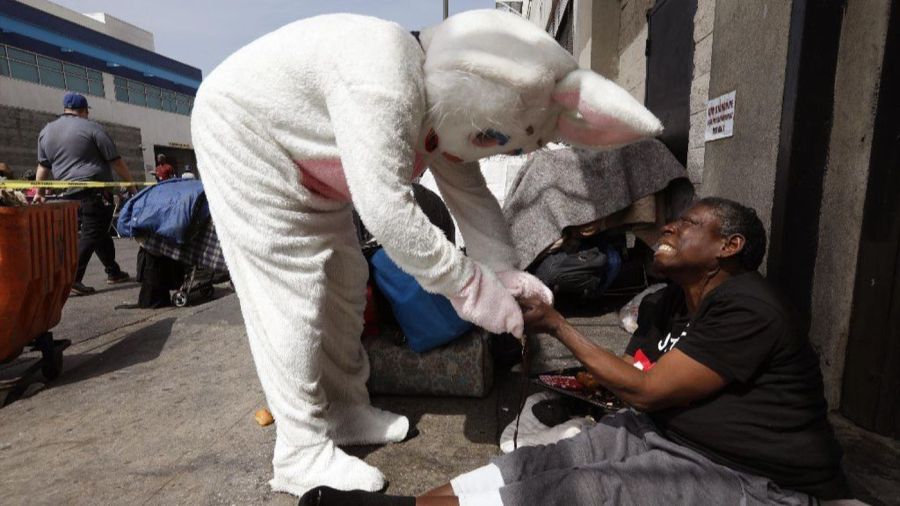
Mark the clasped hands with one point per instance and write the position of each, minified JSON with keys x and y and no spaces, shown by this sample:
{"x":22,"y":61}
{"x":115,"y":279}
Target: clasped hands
{"x":507,"y":302}
{"x":539,"y":316}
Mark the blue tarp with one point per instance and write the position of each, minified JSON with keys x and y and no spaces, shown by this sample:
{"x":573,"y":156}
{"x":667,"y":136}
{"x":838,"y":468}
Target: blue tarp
{"x":166,"y":209}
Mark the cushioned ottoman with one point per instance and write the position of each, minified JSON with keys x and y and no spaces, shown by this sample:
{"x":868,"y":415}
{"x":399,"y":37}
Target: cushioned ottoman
{"x":463,"y":367}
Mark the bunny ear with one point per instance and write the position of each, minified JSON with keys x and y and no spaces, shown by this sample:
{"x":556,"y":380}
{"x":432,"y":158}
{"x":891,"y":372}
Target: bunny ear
{"x":599,"y":113}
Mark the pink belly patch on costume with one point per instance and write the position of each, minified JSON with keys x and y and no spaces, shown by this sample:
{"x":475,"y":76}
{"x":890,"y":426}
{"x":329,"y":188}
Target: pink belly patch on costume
{"x":326,"y":177}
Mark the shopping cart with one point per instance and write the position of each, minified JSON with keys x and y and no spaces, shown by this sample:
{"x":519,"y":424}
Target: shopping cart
{"x":202,"y":257}
{"x":172,"y":220}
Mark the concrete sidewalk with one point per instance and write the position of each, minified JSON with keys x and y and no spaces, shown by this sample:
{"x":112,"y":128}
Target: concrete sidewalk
{"x":156,"y":407}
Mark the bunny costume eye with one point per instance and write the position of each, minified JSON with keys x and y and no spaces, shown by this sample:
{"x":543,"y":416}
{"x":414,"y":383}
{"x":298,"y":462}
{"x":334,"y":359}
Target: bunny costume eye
{"x":489,"y":138}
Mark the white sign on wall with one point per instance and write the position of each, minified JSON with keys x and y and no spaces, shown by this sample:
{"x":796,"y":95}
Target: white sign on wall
{"x":720,"y":117}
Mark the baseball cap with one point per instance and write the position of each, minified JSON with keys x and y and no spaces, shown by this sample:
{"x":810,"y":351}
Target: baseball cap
{"x":75,"y":101}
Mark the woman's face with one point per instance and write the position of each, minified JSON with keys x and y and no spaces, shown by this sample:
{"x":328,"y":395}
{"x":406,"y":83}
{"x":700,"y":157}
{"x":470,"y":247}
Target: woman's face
{"x":693,"y":242}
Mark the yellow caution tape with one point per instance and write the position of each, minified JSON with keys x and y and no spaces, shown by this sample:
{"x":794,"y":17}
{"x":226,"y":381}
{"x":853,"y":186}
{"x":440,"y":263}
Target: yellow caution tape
{"x":24,"y":185}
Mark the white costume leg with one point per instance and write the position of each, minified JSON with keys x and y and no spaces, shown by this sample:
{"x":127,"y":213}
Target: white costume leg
{"x":344,"y":363}
{"x":277,"y":239}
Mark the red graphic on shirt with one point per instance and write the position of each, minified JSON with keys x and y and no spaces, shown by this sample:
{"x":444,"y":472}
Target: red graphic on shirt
{"x":642,"y":361}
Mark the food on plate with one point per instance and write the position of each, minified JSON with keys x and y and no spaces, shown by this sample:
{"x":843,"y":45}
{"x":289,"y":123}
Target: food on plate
{"x":588,"y":380}
{"x":560,"y":381}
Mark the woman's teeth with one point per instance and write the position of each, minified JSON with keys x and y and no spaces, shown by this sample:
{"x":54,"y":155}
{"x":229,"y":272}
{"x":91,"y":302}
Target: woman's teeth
{"x":665,"y":248}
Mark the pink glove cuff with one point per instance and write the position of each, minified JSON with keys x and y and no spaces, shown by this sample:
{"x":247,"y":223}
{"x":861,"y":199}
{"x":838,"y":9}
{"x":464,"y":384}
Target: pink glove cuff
{"x":485,"y":302}
{"x":522,"y":284}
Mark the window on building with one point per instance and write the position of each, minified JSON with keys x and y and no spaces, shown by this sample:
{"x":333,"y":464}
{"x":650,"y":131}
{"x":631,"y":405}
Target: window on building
{"x":77,"y":83}
{"x":154,"y":97}
{"x":22,"y":56}
{"x":52,"y":78}
{"x":24,"y":71}
{"x":75,"y":70}
{"x":22,"y":65}
{"x":47,"y":63}
{"x":154,"y":100}
{"x":183,"y":105}
{"x":4,"y":63}
{"x":136,"y":93}
{"x":168,"y":101}
{"x":48,"y":71}
{"x":121,"y":89}
{"x":95,"y":83}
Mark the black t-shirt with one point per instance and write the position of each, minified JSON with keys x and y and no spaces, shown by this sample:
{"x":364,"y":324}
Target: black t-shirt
{"x":770,"y":419}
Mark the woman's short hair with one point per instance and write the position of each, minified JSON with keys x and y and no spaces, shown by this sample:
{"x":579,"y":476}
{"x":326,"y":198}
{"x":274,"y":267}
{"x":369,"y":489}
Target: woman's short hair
{"x":735,"y":218}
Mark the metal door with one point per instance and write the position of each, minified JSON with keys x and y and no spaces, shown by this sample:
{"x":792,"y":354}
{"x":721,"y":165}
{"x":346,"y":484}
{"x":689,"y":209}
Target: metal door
{"x":670,"y":66}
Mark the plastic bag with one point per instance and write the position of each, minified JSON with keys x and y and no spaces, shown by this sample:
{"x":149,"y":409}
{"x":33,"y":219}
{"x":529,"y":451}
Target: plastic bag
{"x":628,"y":315}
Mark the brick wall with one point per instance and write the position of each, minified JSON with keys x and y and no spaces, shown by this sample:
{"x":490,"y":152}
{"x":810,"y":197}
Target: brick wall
{"x":19,"y":129}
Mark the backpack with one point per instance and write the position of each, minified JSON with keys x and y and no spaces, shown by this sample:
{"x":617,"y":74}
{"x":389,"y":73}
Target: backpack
{"x":582,"y":276}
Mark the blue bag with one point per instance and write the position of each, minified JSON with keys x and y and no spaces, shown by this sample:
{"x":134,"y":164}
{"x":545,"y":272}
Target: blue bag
{"x":427,"y":320}
{"x":167,"y":209}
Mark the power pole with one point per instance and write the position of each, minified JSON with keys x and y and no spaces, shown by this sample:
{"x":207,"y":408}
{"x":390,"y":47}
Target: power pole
{"x":446,"y":8}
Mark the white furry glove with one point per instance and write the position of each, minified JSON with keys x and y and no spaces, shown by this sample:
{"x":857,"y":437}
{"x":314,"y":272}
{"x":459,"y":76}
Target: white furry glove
{"x":522,"y":284}
{"x":486,"y":302}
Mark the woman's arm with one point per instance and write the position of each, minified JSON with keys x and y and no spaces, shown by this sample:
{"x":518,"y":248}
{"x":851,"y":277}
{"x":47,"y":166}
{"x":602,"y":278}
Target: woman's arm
{"x":675,"y":379}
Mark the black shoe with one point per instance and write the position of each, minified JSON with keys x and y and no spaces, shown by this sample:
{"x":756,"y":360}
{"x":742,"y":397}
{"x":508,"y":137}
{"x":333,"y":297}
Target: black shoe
{"x":327,"y":496}
{"x":121,"y":277}
{"x":312,"y":497}
{"x":79,"y":288}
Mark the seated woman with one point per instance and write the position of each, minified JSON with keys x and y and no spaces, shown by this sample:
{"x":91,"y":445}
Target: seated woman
{"x":731,"y":411}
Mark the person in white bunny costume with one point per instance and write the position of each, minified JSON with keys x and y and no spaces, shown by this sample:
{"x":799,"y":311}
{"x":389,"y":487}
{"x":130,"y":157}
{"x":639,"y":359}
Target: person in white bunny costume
{"x":343,"y":111}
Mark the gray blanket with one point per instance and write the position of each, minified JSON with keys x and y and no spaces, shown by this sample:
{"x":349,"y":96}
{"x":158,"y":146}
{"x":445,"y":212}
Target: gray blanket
{"x":568,"y":187}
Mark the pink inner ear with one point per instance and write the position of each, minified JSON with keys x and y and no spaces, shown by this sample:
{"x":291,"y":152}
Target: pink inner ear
{"x":568,"y":99}
{"x":604,"y":131}
{"x":594,"y":128}
{"x":572,"y":100}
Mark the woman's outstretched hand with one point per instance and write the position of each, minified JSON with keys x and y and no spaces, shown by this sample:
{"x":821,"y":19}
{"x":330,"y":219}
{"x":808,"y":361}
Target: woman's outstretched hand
{"x":539,"y":316}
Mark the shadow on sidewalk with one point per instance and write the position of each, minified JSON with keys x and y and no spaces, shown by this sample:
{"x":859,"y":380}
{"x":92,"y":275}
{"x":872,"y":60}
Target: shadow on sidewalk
{"x":143,"y":345}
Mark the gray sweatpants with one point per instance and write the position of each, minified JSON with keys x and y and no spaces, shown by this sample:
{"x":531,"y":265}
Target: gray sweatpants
{"x":622,"y":461}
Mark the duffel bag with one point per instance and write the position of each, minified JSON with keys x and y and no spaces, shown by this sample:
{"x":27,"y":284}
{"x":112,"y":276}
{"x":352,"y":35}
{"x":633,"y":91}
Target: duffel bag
{"x":427,"y":319}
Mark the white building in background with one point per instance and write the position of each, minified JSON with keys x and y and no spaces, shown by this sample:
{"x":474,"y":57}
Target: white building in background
{"x":514,"y":6}
{"x":143,"y":98}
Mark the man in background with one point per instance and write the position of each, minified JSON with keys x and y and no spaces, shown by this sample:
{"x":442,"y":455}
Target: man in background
{"x":74,"y":148}
{"x":6,"y":172}
{"x":164,"y":169}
